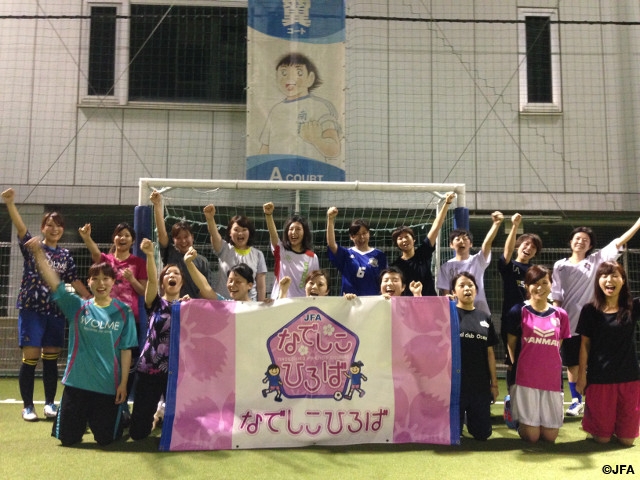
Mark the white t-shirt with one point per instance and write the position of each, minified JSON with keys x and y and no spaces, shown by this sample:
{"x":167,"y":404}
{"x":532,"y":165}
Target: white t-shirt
{"x":475,"y":265}
{"x":229,"y":257}
{"x":573,"y":283}
{"x":294,"y":265}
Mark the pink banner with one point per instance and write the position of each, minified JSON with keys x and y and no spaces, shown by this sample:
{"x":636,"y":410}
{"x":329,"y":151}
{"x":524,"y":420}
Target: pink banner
{"x":312,"y":371}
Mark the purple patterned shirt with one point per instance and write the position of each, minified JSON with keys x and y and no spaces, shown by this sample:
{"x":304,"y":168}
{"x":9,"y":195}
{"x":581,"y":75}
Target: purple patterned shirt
{"x":34,"y":293}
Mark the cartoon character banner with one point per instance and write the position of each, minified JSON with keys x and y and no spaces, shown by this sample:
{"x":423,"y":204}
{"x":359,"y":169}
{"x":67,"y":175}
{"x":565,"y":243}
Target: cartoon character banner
{"x":312,"y":371}
{"x":296,"y":82}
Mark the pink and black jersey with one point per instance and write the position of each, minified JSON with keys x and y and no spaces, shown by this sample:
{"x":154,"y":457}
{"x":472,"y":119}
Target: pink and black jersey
{"x":539,"y":364}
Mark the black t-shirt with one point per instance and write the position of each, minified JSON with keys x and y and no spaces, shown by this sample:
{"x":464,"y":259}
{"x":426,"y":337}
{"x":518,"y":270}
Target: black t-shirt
{"x":514,"y":292}
{"x":512,"y":274}
{"x":418,"y":269}
{"x":170,"y":254}
{"x":612,"y":357}
{"x":477,"y":334}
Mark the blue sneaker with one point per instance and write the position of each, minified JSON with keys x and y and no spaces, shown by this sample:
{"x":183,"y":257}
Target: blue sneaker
{"x":29,"y":414}
{"x":508,"y":418}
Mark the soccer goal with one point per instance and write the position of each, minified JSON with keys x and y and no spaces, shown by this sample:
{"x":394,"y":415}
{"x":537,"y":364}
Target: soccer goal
{"x":384,"y":205}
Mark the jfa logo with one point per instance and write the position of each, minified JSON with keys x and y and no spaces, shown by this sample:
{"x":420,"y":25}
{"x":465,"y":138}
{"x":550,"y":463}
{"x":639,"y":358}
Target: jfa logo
{"x":616,"y":469}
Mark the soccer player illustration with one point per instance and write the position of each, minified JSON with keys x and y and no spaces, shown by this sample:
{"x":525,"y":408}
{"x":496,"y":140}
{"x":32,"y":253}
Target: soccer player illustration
{"x":272,"y":377}
{"x":357,"y":377}
{"x":301,"y":115}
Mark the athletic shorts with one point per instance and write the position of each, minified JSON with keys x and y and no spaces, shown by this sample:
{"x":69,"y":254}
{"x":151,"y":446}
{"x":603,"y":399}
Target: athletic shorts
{"x":570,"y":351}
{"x":612,"y":408}
{"x":39,"y":330}
{"x":537,"y":408}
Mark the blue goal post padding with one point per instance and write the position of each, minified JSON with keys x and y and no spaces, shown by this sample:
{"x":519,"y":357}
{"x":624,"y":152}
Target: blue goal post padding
{"x":461,"y":218}
{"x":143,"y":227}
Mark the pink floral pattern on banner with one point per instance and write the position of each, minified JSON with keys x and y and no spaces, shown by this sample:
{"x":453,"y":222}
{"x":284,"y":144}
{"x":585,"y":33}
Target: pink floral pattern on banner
{"x":421,"y":340}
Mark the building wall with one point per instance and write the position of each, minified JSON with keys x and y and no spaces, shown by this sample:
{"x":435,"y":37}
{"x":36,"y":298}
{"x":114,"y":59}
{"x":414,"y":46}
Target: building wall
{"x":426,"y":102}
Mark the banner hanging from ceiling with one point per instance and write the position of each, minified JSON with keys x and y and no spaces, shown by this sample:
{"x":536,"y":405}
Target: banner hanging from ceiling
{"x":296,"y":84}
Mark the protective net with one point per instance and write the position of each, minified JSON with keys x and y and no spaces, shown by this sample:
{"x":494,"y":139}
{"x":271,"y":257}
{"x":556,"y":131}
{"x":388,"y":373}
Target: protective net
{"x":384,"y":206}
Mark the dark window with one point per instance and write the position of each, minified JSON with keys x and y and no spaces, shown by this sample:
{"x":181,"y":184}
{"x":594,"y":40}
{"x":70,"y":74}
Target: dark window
{"x":539,"y":74}
{"x":102,"y":51}
{"x":188,"y":54}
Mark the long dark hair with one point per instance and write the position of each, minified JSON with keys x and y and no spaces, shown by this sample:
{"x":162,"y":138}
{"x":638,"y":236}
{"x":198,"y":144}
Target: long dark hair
{"x":306,"y":239}
{"x":625,"y":301}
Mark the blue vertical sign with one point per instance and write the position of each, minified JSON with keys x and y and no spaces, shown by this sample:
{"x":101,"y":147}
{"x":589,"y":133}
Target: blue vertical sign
{"x":295,"y":101}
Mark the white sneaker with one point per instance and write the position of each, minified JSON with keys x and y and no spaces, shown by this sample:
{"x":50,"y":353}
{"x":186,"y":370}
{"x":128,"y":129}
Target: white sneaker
{"x":158,"y":417}
{"x":29,"y":414}
{"x":576,"y":408}
{"x":50,"y":410}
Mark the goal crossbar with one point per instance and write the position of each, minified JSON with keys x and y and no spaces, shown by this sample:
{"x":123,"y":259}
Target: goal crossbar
{"x":146,"y":183}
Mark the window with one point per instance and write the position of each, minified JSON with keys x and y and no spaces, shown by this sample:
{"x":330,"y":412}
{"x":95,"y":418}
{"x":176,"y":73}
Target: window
{"x":539,"y":61}
{"x":172,"y":54}
{"x":102,"y":51}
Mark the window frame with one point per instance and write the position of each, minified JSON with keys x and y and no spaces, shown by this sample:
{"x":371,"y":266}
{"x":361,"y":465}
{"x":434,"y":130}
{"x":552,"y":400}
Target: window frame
{"x":120,"y":95}
{"x":555,"y":106}
{"x":120,"y":92}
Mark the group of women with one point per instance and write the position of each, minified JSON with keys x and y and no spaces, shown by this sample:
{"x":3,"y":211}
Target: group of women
{"x":589,"y":328}
{"x":102,"y":323}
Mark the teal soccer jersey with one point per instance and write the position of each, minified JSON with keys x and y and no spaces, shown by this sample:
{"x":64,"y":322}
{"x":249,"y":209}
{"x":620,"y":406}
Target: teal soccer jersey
{"x":96,"y":337}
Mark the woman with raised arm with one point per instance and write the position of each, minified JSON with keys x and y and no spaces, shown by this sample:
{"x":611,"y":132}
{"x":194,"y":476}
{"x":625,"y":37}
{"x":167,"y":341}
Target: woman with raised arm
{"x":40,"y":321}
{"x":513,"y":271}
{"x":572,"y":289}
{"x":152,"y":369}
{"x":293,"y":253}
{"x":131,"y":270}
{"x":317,"y":285}
{"x":359,"y":265}
{"x":415,"y":263}
{"x":182,"y":237}
{"x":102,"y":333}
{"x":235,"y":248}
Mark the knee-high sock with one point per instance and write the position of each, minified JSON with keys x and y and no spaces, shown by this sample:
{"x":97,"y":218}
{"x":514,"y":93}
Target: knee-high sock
{"x":50,"y":376}
{"x":574,"y":392}
{"x":26,"y":377}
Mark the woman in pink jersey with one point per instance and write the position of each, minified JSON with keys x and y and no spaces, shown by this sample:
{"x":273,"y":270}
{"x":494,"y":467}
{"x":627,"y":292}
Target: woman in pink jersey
{"x":536,"y":396}
{"x":131,"y":270}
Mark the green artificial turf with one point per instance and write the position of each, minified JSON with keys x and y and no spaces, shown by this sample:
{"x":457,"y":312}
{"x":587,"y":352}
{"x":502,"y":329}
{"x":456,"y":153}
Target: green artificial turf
{"x":28,"y":451}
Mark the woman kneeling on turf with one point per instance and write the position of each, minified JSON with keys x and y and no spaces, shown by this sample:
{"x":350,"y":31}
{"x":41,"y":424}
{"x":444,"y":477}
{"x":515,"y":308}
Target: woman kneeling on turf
{"x":102,"y":332}
{"x":536,"y":396}
{"x":478,"y":383}
{"x":608,"y":360}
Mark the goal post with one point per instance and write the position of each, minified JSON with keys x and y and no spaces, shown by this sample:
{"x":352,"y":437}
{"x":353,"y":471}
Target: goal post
{"x":384,"y":205}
